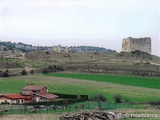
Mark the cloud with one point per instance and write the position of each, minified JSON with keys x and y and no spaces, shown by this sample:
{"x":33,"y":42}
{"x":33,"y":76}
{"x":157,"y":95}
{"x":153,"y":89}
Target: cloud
{"x":29,"y":26}
{"x":2,"y":5}
{"x":2,"y":28}
{"x":57,"y":3}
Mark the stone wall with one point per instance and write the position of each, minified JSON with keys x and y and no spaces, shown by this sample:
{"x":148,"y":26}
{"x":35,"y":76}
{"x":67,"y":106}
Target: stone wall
{"x":55,"y":49}
{"x":131,"y":44}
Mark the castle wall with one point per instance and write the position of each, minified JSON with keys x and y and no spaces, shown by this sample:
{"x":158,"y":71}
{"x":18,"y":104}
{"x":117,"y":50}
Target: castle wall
{"x":132,"y":44}
{"x":59,"y":48}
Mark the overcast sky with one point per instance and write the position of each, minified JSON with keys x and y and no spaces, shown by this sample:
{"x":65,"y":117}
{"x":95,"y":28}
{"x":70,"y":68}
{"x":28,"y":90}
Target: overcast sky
{"x":101,"y":23}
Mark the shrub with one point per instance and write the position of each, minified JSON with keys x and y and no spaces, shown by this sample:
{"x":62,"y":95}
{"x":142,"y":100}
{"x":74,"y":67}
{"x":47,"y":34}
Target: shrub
{"x":5,"y":103}
{"x":5,"y":74}
{"x":60,"y":68}
{"x":52,"y":68}
{"x":127,"y":100}
{"x":118,"y":98}
{"x":47,"y":52}
{"x":133,"y":52}
{"x":98,"y":97}
{"x":144,"y":74}
{"x":5,"y":49}
{"x":24,"y":72}
{"x":31,"y":71}
{"x":154,"y":103}
{"x":45,"y":70}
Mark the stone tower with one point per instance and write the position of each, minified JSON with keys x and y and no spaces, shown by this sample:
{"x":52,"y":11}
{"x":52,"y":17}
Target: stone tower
{"x":131,"y":44}
{"x":55,"y":49}
{"x":59,"y":48}
{"x":66,"y":49}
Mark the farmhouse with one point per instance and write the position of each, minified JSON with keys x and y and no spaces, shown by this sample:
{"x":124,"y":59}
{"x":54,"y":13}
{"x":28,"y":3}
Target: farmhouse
{"x":30,"y":93}
{"x":38,"y":93}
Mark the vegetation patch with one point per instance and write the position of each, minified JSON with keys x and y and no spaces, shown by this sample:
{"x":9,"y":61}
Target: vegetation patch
{"x":80,"y":87}
{"x":125,"y":80}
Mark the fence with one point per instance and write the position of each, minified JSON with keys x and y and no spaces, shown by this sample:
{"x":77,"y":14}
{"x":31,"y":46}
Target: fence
{"x":66,"y":99}
{"x":34,"y":109}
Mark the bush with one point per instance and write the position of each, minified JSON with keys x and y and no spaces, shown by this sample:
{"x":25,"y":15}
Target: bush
{"x":45,"y":70}
{"x":5,"y":49}
{"x":31,"y":71}
{"x":5,"y":74}
{"x":127,"y":100}
{"x":118,"y":98}
{"x":5,"y":103}
{"x":47,"y":52}
{"x":154,"y":103}
{"x":98,"y":97}
{"x":52,"y":68}
{"x":60,"y":68}
{"x":24,"y":72}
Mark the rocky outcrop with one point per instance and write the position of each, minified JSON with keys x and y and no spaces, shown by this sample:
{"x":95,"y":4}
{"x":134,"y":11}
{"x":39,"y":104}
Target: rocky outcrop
{"x":93,"y":115}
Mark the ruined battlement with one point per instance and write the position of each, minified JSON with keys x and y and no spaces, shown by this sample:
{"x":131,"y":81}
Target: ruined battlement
{"x":131,"y":44}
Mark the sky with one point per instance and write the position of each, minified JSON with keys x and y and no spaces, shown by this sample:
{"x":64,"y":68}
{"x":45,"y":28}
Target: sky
{"x":102,"y":23}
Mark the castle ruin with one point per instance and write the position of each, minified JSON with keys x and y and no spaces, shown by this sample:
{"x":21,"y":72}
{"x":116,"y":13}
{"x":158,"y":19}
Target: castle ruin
{"x":55,"y":49}
{"x":131,"y":44}
{"x":59,"y":49}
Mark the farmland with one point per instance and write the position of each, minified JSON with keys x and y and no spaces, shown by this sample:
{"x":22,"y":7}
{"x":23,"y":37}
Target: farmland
{"x":79,"y":86}
{"x":133,"y":81}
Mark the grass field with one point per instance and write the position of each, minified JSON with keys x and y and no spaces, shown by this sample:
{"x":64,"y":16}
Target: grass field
{"x":125,"y":80}
{"x":79,"y":86}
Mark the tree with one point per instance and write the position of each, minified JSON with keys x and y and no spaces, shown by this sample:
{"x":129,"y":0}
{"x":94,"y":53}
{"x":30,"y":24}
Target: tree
{"x":5,"y":74}
{"x":24,"y":72}
{"x":31,"y":71}
{"x":5,"y":49}
{"x":47,"y":52}
{"x":118,"y":98}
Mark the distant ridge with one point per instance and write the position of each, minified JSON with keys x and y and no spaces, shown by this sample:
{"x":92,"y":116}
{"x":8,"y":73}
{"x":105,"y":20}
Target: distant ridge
{"x":28,"y":48}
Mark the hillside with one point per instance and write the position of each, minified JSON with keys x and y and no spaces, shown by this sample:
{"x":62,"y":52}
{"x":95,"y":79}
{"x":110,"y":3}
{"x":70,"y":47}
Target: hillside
{"x":135,"y":63}
{"x":100,"y":62}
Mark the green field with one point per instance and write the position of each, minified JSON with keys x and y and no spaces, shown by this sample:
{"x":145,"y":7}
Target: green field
{"x":125,"y":80}
{"x":87,"y":87}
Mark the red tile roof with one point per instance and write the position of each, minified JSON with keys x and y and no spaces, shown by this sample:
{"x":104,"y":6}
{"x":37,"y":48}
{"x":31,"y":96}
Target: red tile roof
{"x":33,"y":87}
{"x":14,"y":96}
